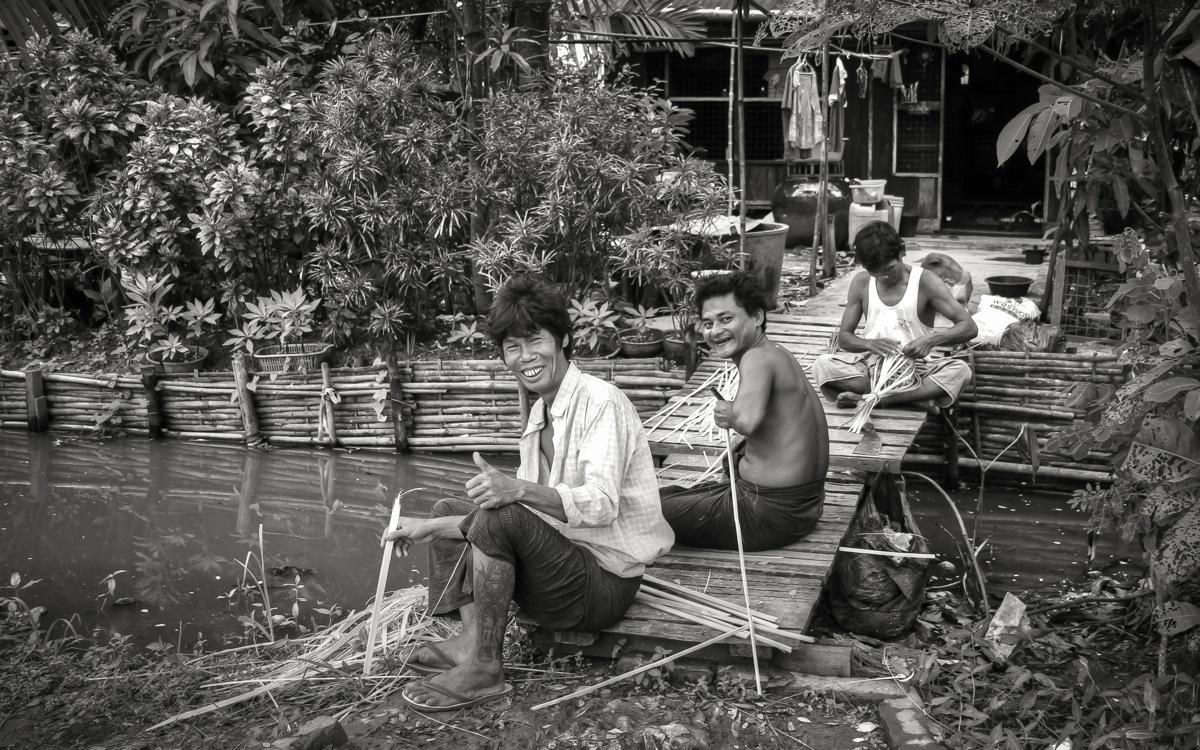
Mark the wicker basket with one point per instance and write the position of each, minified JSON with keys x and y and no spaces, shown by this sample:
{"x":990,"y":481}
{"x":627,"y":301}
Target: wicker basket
{"x":292,"y":357}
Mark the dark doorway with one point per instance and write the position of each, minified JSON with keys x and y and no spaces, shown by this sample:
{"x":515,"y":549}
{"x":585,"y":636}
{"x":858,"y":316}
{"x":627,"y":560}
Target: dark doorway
{"x":982,"y":95}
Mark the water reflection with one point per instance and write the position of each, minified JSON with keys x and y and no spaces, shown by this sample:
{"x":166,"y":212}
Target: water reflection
{"x":153,"y":537}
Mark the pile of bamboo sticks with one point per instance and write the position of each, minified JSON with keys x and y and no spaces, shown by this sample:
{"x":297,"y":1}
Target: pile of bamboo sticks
{"x":1011,"y":389}
{"x":709,"y":611}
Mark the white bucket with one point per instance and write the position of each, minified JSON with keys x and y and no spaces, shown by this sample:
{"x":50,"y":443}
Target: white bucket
{"x":860,"y":216}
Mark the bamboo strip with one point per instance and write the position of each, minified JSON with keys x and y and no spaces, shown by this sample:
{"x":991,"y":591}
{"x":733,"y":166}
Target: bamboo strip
{"x":708,"y":622}
{"x":644,"y":668}
{"x":1008,"y":409}
{"x":722,"y":618}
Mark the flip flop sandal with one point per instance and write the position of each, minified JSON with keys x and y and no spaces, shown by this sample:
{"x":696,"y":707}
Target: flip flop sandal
{"x":460,"y":701}
{"x":429,"y":669}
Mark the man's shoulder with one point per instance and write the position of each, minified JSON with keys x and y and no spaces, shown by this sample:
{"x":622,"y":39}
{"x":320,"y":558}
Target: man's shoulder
{"x":773,"y":358}
{"x":595,"y":388}
{"x":859,"y":281}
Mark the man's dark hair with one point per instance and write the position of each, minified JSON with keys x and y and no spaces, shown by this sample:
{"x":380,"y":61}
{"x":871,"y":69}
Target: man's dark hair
{"x":525,"y":304}
{"x":746,"y":289}
{"x":877,"y":244}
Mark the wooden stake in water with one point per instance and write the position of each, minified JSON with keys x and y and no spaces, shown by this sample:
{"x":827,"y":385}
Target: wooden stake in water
{"x":380,"y":586}
{"x":737,"y":527}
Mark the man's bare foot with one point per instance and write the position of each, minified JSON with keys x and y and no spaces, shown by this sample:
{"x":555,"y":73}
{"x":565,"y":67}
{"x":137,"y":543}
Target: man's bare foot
{"x":464,"y":683}
{"x":848,"y":400}
{"x":439,"y":656}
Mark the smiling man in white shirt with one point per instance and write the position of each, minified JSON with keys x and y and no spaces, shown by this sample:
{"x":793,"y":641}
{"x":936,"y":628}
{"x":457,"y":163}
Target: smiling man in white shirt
{"x":567,"y":538}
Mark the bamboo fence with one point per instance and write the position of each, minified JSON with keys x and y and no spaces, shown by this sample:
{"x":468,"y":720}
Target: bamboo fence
{"x":458,"y":405}
{"x":1012,"y":389}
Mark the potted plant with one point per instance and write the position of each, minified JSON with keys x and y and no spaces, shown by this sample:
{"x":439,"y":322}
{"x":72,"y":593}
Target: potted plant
{"x":285,"y":317}
{"x":640,"y":340}
{"x":170,"y":334}
{"x":593,"y":328}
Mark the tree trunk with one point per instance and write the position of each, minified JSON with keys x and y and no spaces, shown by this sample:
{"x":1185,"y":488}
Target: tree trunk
{"x":1162,"y":155}
{"x":469,"y":15}
{"x":532,"y":19}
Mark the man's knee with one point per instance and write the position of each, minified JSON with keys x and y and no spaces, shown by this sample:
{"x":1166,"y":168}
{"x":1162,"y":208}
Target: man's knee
{"x":451,"y":506}
{"x":501,"y":524}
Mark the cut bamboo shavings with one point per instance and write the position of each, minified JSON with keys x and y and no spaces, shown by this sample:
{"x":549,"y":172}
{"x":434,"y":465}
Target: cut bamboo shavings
{"x":894,"y":373}
{"x":332,"y":652}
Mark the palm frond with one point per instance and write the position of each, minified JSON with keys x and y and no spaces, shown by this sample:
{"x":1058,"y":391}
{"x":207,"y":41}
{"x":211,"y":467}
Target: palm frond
{"x":636,"y":22}
{"x":22,"y":20}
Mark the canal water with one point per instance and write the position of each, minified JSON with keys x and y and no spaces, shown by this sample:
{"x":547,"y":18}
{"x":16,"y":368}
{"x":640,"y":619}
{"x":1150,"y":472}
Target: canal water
{"x":149,"y":538}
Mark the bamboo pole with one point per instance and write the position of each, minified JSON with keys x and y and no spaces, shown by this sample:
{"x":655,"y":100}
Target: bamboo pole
{"x":705,"y":619}
{"x":641,"y":669}
{"x":380,"y":586}
{"x":737,"y":527}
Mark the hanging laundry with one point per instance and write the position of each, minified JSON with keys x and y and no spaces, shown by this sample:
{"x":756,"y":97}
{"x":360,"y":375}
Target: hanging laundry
{"x":837,"y":106}
{"x":838,"y":85}
{"x":803,"y":124}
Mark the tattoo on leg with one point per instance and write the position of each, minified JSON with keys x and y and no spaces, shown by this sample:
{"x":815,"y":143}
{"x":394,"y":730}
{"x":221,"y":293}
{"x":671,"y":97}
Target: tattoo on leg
{"x":494,"y":581}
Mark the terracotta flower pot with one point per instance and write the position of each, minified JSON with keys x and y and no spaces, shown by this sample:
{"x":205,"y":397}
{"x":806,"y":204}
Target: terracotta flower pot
{"x":193,"y":362}
{"x":674,"y":345}
{"x":635,"y":343}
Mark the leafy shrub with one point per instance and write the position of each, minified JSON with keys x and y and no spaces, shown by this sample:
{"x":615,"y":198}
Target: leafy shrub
{"x":566,"y":173}
{"x":142,"y":208}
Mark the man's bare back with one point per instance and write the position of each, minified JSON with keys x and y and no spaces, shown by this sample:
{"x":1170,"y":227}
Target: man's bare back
{"x":791,"y":444}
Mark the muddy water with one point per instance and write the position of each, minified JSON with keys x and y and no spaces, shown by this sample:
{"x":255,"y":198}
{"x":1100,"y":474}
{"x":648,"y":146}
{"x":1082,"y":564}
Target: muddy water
{"x":1035,"y":540}
{"x":177,"y":521}
{"x":172,"y":522}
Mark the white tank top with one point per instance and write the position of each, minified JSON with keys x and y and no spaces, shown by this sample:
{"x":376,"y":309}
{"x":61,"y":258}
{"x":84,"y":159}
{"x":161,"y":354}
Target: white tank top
{"x":900,"y":321}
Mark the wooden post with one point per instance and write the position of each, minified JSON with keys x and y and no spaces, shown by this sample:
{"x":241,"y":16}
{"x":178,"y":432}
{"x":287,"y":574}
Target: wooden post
{"x":396,"y":404}
{"x":154,"y":415}
{"x":246,"y":405}
{"x":36,"y":408}
{"x":326,"y":430}
{"x":949,"y":415}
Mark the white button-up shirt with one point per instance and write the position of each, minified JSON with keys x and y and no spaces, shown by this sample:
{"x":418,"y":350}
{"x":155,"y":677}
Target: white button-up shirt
{"x":602,"y":470}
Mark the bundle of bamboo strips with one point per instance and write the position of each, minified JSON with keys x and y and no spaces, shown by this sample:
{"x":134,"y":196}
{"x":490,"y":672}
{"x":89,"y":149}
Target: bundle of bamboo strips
{"x":710,"y":611}
{"x":891,"y":374}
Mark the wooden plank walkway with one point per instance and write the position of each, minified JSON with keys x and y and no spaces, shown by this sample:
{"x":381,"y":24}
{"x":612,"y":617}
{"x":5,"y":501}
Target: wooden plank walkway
{"x":785,"y":583}
{"x":788,"y":582}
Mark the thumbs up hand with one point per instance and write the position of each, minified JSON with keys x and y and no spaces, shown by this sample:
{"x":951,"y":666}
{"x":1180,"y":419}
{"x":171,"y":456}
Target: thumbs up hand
{"x":491,"y":488}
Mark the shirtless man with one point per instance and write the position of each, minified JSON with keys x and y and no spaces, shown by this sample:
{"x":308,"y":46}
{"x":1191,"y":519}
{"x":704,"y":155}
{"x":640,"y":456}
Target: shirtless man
{"x":782,"y":461}
{"x":899,"y":302}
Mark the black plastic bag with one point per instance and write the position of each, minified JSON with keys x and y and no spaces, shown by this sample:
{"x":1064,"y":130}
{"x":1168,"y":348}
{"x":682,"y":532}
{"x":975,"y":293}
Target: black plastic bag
{"x":880,"y":595}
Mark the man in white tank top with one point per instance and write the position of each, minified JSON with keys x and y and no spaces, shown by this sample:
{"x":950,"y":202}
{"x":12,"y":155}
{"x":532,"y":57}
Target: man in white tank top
{"x":899,"y":303}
